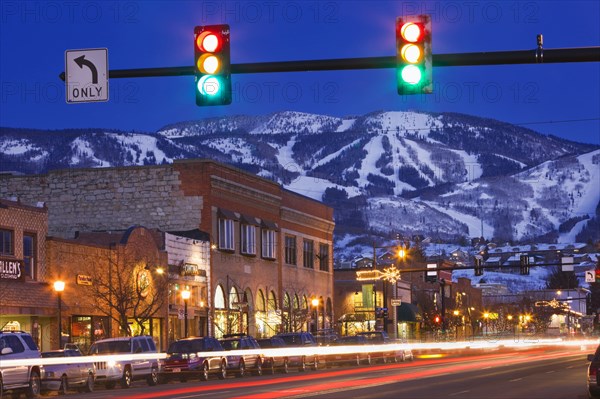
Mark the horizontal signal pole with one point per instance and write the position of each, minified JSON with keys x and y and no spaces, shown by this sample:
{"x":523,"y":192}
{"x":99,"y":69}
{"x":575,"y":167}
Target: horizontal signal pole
{"x":537,"y":56}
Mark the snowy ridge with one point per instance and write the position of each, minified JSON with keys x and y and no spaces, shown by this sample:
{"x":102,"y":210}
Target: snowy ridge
{"x":440,"y":175}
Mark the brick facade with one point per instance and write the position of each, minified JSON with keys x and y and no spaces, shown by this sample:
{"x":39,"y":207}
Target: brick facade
{"x":189,"y":195}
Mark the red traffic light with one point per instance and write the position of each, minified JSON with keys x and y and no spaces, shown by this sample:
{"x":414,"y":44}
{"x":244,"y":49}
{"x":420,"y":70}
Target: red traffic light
{"x":437,"y":319}
{"x":209,"y":41}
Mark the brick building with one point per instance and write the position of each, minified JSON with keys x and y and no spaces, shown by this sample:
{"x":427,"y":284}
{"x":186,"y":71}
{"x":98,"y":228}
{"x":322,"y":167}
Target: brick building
{"x":271,"y":248}
{"x":27,"y":300}
{"x":122,"y":268}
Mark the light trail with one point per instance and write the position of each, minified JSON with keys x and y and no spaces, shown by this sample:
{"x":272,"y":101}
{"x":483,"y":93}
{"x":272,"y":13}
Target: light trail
{"x":424,"y":347}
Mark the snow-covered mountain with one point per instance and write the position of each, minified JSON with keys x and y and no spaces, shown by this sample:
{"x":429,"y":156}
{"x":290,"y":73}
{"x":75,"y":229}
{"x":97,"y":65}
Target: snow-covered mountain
{"x":449,"y":176}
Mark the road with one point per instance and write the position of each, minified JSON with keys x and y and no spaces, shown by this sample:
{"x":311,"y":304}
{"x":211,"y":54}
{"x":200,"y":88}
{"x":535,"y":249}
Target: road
{"x":530,"y":374}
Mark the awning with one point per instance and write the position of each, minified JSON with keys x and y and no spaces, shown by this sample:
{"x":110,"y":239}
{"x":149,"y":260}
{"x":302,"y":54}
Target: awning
{"x":408,"y":312}
{"x":251,"y":220}
{"x":227,"y":214}
{"x":267,"y":224}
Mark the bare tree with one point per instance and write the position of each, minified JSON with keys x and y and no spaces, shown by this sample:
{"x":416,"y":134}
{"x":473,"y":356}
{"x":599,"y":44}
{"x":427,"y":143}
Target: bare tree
{"x":125,"y":285}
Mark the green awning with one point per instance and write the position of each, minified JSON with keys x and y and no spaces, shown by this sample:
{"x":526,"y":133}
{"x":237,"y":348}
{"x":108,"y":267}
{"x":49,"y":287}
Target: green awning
{"x":408,"y":312}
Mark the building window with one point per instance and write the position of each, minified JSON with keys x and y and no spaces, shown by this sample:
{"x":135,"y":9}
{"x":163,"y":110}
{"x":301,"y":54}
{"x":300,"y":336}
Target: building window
{"x":324,"y":257}
{"x":6,"y":242}
{"x":268,"y":244}
{"x":248,"y":238}
{"x":226,"y":240}
{"x":290,"y":250}
{"x":308,"y":254}
{"x":29,"y":255}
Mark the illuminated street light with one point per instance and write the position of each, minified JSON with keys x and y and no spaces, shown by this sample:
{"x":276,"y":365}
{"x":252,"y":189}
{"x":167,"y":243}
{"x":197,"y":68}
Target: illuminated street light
{"x":185,"y":294}
{"x":59,"y":287}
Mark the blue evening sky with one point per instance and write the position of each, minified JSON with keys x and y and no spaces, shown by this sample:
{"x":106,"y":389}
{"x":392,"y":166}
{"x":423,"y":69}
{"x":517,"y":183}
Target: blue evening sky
{"x":139,"y":34}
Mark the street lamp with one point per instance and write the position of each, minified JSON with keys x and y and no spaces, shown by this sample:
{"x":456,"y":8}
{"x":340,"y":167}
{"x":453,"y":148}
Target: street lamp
{"x":185,"y":294}
{"x":315,"y":304}
{"x":59,"y":287}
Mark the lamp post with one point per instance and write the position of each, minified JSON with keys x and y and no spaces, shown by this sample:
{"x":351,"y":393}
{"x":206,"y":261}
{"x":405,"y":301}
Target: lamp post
{"x":59,"y":287}
{"x":315,"y":304}
{"x":486,"y":316}
{"x":185,"y":294}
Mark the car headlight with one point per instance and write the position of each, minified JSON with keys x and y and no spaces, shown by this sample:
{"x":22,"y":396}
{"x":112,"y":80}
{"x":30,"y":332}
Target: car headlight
{"x":111,"y":363}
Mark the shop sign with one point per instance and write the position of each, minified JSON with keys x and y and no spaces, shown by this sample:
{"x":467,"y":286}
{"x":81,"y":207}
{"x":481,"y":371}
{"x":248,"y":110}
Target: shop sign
{"x":11,"y":269}
{"x":84,"y":279}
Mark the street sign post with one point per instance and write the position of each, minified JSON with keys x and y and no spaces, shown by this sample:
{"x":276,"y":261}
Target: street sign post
{"x":590,"y":276}
{"x":86,"y":75}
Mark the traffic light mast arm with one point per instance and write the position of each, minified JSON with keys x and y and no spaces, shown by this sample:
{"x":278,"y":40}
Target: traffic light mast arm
{"x":580,"y":54}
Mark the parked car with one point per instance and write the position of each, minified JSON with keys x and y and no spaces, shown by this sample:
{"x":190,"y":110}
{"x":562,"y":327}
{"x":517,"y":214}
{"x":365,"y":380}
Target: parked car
{"x":351,"y":358}
{"x":253,"y":361}
{"x":385,"y":355}
{"x":272,"y":362}
{"x":72,"y":373}
{"x":15,"y":345}
{"x":126,"y":369}
{"x":191,"y":357}
{"x":593,"y":375}
{"x":298,"y":340}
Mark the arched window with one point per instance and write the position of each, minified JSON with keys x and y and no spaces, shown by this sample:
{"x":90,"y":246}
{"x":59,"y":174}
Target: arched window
{"x":272,"y":304}
{"x":233,"y":298}
{"x":219,"y":298}
{"x":260,"y":301}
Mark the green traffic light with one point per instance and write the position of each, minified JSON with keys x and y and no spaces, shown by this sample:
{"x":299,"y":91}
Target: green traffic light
{"x":209,"y":85}
{"x":411,"y":74}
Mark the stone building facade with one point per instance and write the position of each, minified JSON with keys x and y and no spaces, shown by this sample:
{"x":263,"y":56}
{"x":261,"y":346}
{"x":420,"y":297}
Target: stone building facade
{"x":271,"y":252}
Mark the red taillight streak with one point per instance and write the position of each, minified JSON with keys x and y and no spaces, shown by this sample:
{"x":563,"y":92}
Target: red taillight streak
{"x":363,"y":382}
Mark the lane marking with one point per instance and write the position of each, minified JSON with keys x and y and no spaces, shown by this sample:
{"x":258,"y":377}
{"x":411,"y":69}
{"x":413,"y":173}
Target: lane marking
{"x":459,"y":393}
{"x":515,"y":379}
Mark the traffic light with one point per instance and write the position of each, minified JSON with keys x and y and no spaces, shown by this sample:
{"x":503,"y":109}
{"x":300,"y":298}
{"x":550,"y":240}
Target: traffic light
{"x":437,"y":319}
{"x":524,"y":263}
{"x":212,"y":65}
{"x":431,"y":274}
{"x":478,"y":266}
{"x":413,"y":55}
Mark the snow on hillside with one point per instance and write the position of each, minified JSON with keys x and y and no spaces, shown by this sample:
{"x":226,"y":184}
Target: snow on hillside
{"x":235,"y":147}
{"x":297,"y":122}
{"x":20,"y":147}
{"x":413,"y":122}
{"x":314,"y":188}
{"x":83,"y":152}
{"x":473,"y":223}
{"x":143,"y":142}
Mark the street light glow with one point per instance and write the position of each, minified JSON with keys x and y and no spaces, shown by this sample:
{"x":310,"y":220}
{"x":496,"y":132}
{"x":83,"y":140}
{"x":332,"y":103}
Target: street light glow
{"x":59,"y":286}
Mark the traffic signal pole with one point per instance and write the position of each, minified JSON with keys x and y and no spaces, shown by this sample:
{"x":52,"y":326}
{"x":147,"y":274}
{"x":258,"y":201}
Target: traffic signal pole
{"x":536,"y":56}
